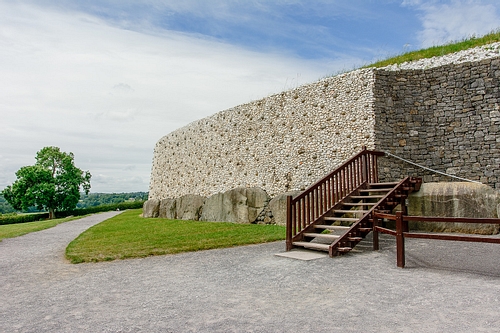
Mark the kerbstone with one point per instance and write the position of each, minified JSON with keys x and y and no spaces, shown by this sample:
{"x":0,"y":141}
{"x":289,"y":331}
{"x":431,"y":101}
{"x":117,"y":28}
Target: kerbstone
{"x":240,"y":205}
{"x":455,"y":199}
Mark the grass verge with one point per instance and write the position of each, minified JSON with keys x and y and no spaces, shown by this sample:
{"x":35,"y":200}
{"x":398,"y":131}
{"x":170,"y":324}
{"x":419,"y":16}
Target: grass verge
{"x":441,"y":50}
{"x":128,"y":235}
{"x":15,"y":230}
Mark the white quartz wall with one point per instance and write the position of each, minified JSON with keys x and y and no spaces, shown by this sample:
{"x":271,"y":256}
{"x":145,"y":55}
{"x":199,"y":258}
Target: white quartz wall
{"x":280,"y":143}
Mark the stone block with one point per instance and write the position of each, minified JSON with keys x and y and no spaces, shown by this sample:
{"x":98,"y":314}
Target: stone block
{"x":151,"y":208}
{"x":240,"y":205}
{"x":455,"y":199}
{"x":189,"y":207}
{"x":278,"y":207}
{"x":168,"y":209}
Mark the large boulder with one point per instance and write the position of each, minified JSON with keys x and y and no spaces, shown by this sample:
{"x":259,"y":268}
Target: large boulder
{"x":240,"y":205}
{"x":151,"y":208}
{"x":189,"y":207}
{"x":168,"y":209}
{"x":455,"y":199}
{"x":277,"y":207}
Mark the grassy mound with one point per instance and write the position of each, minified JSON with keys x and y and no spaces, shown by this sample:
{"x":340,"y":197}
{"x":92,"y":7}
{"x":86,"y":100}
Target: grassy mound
{"x":437,"y":51}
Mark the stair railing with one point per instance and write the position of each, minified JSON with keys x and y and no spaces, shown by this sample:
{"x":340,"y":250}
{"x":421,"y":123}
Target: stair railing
{"x":319,"y":198}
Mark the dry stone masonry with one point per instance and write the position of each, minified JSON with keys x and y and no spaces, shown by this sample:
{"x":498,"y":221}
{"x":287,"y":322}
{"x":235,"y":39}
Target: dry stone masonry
{"x":446,"y":118}
{"x":441,"y":112}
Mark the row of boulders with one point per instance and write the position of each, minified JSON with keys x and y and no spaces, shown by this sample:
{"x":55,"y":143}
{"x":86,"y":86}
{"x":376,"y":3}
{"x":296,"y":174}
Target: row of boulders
{"x":253,"y":205}
{"x":240,"y":205}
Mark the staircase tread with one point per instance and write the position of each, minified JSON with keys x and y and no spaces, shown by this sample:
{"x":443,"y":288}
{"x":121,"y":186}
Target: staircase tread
{"x":348,"y":219}
{"x":375,"y":196}
{"x":316,"y":246}
{"x":344,"y":249}
{"x":384,"y":183}
{"x":326,"y":236}
{"x":376,"y":189}
{"x":331,"y":227}
{"x":359,"y":204}
{"x":354,"y":211}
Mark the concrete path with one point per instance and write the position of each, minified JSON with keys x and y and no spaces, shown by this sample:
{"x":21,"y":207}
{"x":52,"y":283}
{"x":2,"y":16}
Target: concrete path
{"x":446,"y":287}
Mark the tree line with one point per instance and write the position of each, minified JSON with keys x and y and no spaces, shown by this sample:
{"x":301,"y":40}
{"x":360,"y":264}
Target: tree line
{"x":86,"y":201}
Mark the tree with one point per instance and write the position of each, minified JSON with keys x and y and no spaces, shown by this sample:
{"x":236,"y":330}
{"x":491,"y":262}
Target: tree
{"x":53,"y":183}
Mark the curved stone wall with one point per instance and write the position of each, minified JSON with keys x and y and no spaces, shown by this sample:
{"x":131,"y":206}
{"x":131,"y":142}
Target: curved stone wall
{"x":280,"y":143}
{"x":442,"y":113}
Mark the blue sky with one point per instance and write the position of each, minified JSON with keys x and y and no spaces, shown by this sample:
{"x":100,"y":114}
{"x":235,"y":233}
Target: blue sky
{"x":107,"y":79}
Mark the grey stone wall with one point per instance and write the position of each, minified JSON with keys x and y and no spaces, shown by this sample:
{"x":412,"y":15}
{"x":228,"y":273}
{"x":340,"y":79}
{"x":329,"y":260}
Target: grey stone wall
{"x":446,"y":118}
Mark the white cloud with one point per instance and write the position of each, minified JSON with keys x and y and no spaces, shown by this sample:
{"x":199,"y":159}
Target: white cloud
{"x":455,"y":20}
{"x":107,"y":94}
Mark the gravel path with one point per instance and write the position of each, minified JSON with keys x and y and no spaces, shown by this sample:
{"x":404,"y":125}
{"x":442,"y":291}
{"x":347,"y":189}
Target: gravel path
{"x":248,"y":289}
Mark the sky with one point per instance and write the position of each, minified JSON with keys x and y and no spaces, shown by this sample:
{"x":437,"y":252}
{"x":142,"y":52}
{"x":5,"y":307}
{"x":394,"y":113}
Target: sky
{"x":106,"y":79}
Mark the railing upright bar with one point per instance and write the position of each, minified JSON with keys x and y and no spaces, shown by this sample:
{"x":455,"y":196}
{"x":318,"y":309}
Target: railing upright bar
{"x":308,"y":205}
{"x":336,"y":186}
{"x":356,"y":167}
{"x":349,"y":178}
{"x":294,"y":219}
{"x":289,"y":227}
{"x":357,"y":172}
{"x":354,"y":175}
{"x":370,"y":164}
{"x":328,"y":194}
{"x":317,"y":201}
{"x":302,"y":213}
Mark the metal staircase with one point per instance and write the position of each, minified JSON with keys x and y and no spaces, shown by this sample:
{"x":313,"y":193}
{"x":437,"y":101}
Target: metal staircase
{"x":335,"y":214}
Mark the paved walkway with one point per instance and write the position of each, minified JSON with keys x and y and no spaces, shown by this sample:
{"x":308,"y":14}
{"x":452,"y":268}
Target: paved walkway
{"x":248,"y":289}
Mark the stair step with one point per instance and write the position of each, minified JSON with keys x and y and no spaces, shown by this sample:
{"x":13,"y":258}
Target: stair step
{"x":323,"y":236}
{"x":331,"y":227}
{"x":360,"y":204}
{"x":314,"y":246}
{"x":368,"y":190}
{"x":355,"y":239}
{"x":347,"y":219}
{"x":384,"y":184}
{"x":344,"y":249}
{"x":354,"y":211}
{"x":365,"y":229}
{"x":375,"y":196}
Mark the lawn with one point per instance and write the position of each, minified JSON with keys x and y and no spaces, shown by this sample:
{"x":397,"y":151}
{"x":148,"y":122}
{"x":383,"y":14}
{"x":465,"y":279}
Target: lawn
{"x":129,"y":235}
{"x":19,"y":229}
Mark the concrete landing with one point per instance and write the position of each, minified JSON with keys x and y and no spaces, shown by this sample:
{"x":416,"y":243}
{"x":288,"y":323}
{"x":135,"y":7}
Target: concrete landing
{"x":301,"y":254}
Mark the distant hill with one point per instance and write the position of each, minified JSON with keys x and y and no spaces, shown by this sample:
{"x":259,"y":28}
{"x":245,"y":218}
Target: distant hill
{"x":97,"y":199}
{"x":86,"y":201}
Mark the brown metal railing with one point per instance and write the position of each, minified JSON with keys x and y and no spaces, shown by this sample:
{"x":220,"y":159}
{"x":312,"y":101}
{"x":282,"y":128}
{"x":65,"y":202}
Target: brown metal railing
{"x":402,"y":231}
{"x":318,"y":199}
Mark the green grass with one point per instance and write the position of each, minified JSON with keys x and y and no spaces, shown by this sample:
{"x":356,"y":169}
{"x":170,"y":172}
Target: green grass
{"x":128,"y":235}
{"x":15,"y":230}
{"x":440,"y":50}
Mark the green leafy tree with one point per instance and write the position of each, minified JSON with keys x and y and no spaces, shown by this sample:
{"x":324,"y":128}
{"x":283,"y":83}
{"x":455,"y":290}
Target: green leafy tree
{"x":53,"y":183}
